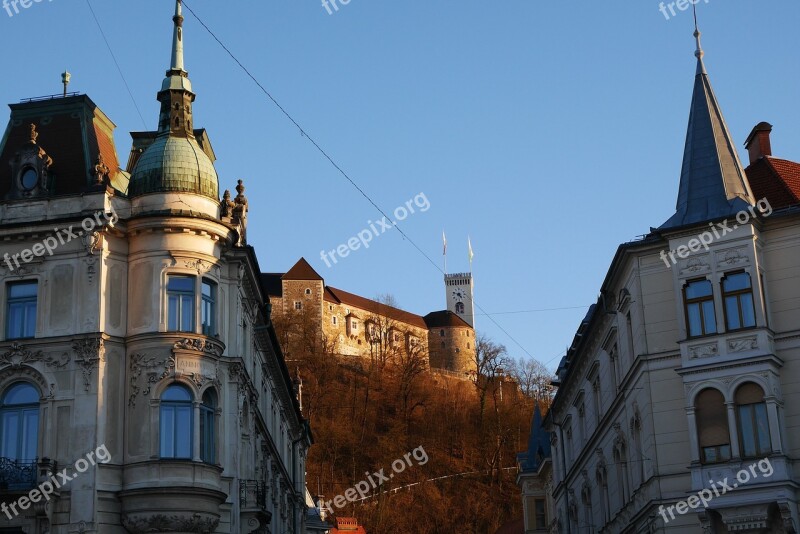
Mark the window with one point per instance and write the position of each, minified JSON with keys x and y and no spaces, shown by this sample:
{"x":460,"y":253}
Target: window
{"x":699,"y":301}
{"x":737,"y":293}
{"x":333,"y":320}
{"x":208,"y":442}
{"x":712,"y":427}
{"x":753,"y":422}
{"x":21,"y":311}
{"x":308,"y":292}
{"x":209,"y":311}
{"x":355,"y":325}
{"x":441,"y":333}
{"x":460,"y":307}
{"x":180,"y":304}
{"x":598,"y":407}
{"x":19,"y":423}
{"x":298,"y":305}
{"x":540,"y":512}
{"x":176,"y":423}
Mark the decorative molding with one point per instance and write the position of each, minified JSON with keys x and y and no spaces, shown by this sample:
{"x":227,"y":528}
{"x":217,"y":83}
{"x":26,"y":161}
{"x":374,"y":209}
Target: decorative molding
{"x":742,"y":344}
{"x":18,"y":355}
{"x":142,"y":363}
{"x":206,"y":346}
{"x":703,"y":351}
{"x":695,"y":265}
{"x":141,"y":523}
{"x":90,"y":352}
{"x":732,"y":256}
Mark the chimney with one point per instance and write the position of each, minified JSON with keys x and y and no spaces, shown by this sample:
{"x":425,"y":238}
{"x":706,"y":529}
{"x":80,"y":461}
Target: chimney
{"x":758,"y":144}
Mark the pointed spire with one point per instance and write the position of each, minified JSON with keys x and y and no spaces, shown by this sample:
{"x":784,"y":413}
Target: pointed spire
{"x":177,"y":39}
{"x":176,"y":94}
{"x":713,"y":183}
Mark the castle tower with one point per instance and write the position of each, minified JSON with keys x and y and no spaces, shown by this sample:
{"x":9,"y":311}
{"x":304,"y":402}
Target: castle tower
{"x":459,"y":292}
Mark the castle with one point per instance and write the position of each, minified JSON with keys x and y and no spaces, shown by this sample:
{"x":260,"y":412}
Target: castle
{"x":352,"y":324}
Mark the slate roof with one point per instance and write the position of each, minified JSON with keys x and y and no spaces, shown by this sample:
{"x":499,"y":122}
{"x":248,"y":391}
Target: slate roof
{"x":713,"y":183}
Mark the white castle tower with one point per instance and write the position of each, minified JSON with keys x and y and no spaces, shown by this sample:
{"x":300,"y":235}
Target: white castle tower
{"x":459,"y":288}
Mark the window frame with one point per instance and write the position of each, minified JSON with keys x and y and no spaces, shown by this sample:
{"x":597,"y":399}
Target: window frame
{"x":208,"y":427}
{"x":754,"y":417}
{"x":25,"y":302}
{"x":209,"y":301}
{"x":699,"y":301}
{"x":174,"y":406}
{"x":22,"y":410}
{"x":720,"y":455}
{"x":737,"y":294}
{"x":180,"y":294}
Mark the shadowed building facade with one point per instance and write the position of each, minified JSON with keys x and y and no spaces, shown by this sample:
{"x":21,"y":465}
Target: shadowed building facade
{"x":134,"y":318}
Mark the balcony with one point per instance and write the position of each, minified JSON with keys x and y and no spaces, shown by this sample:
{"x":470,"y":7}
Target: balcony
{"x":17,"y":474}
{"x":253,"y":506}
{"x":23,"y":475}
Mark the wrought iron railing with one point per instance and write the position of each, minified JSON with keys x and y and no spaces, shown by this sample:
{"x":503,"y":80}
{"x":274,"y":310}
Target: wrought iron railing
{"x":253,"y":494}
{"x":18,"y":474}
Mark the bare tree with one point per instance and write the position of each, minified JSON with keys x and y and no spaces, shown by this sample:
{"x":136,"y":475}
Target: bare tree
{"x":534,"y":379}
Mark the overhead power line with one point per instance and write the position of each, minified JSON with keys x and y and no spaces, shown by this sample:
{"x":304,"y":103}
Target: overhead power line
{"x":119,"y":69}
{"x":341,"y":171}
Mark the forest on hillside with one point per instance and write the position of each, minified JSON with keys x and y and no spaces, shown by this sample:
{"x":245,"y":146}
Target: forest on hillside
{"x":409,"y":450}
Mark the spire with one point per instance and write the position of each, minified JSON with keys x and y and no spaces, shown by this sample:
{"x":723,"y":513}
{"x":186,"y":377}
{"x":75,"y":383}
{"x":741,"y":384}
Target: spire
{"x":176,"y":94}
{"x":713,"y":183}
{"x":177,"y":39}
{"x":698,"y":53}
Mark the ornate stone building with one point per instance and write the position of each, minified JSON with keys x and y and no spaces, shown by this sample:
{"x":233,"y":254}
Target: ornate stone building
{"x":134,"y":323}
{"x":676,"y":409}
{"x":352,"y":325}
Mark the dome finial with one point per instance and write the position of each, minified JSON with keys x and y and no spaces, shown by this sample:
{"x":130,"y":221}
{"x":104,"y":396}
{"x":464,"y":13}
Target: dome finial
{"x":177,"y":39}
{"x":698,"y":53}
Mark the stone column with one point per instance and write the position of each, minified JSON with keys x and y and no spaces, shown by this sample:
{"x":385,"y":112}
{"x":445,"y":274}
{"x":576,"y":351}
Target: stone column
{"x":733,"y":430}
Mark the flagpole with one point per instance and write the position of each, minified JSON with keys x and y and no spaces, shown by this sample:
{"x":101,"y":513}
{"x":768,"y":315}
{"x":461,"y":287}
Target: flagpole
{"x":444,"y":244}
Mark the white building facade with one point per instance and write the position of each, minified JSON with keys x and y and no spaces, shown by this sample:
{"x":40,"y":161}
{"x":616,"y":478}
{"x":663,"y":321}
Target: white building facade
{"x":137,"y":354}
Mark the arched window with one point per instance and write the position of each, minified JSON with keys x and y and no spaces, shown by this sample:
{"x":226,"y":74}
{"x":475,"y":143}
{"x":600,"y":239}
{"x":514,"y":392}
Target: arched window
{"x":176,"y":423}
{"x":602,"y":482}
{"x":19,"y":423}
{"x":712,"y":427}
{"x":753,"y":423}
{"x":621,"y":460}
{"x":208,"y":437}
{"x":459,"y":307}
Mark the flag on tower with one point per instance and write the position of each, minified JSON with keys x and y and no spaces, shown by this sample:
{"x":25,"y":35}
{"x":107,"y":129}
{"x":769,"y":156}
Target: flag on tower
{"x":444,"y":242}
{"x":471,"y":254}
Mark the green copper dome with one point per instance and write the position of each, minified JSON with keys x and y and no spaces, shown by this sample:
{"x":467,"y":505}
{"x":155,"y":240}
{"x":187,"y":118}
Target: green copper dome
{"x":174,"y":164}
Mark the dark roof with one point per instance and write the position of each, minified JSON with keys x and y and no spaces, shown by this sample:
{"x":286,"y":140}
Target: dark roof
{"x":372,"y":306}
{"x":445,"y":319}
{"x":713,"y":184}
{"x":538,"y":445}
{"x":62,"y":125}
{"x":777,"y":180}
{"x":302,"y":270}
{"x":272,"y":284}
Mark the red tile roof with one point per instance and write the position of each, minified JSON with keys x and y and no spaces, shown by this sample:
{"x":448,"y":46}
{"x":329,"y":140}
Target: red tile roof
{"x":372,"y":306}
{"x":302,"y":270}
{"x":777,"y":180}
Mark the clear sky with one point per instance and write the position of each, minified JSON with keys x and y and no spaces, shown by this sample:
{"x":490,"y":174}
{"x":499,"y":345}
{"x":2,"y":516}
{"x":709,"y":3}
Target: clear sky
{"x":549,"y":132}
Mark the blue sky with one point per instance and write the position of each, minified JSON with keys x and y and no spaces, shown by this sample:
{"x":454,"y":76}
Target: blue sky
{"x":549,"y":132}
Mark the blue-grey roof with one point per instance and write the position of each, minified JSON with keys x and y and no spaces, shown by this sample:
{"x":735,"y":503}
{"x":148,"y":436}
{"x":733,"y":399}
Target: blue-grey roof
{"x":538,"y":445}
{"x":713,"y":183}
